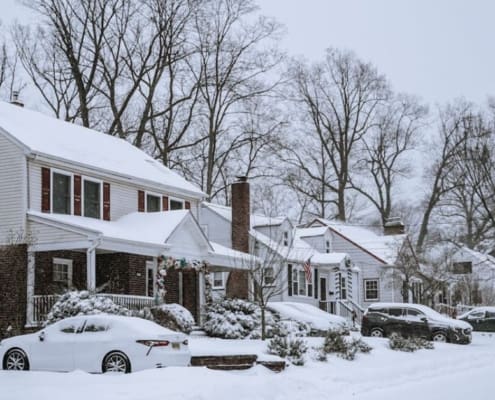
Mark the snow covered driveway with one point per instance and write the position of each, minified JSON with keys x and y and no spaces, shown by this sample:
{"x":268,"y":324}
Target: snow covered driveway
{"x":449,"y":372}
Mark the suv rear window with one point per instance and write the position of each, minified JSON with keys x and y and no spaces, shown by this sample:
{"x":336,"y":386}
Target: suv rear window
{"x":379,"y":310}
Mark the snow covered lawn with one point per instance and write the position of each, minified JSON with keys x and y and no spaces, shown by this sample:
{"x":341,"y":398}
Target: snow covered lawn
{"x":449,"y":372}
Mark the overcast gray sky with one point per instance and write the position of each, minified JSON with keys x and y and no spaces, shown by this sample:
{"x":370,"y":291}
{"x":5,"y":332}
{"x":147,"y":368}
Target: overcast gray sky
{"x":437,"y":49}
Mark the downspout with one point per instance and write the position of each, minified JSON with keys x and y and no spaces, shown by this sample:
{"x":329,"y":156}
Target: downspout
{"x":91,"y":264}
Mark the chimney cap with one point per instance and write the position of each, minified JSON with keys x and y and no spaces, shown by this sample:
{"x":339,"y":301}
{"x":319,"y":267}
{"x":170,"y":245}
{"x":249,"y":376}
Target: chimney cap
{"x":15,"y":99}
{"x":242,"y":178}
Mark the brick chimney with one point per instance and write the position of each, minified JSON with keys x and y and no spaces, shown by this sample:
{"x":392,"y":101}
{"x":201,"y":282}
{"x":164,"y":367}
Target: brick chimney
{"x":238,"y":282}
{"x":393,"y":226}
{"x":15,"y":99}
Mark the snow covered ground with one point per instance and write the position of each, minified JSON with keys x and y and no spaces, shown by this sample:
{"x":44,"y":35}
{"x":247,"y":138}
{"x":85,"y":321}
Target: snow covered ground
{"x":449,"y":372}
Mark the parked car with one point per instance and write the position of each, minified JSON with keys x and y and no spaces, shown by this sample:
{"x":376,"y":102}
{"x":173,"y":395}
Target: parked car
{"x":96,"y":343}
{"x":481,"y":318}
{"x":413,"y":320}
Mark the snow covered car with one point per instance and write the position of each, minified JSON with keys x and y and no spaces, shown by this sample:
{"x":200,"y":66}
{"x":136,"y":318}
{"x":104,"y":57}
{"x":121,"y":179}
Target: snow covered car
{"x":481,"y":318}
{"x":96,"y":343}
{"x":413,"y":320}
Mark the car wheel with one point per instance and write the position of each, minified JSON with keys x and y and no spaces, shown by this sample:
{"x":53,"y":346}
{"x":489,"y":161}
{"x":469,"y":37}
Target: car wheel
{"x":376,"y":332}
{"x":16,"y":360}
{"x":116,"y":361}
{"x":439,"y":337}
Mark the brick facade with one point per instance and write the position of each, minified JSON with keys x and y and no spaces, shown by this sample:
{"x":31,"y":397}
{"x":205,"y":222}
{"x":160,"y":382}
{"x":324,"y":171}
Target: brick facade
{"x":43,"y":278}
{"x":13,"y":275}
{"x":122,"y":273}
{"x":190,"y":292}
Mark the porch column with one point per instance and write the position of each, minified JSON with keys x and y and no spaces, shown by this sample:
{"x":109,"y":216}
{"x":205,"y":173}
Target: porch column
{"x":30,"y":288}
{"x":201,"y":296}
{"x":91,"y":267}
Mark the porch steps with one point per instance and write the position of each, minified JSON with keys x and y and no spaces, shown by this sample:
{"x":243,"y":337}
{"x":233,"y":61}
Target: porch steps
{"x":197,"y":331}
{"x":235,"y":362}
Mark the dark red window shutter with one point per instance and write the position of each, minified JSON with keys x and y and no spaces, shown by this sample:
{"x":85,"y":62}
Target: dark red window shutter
{"x":187,"y":205}
{"x":316,"y":283}
{"x":106,"y":201}
{"x":289,"y":279}
{"x":140,"y":201}
{"x":45,"y":189}
{"x":165,"y":203}
{"x":77,"y":194}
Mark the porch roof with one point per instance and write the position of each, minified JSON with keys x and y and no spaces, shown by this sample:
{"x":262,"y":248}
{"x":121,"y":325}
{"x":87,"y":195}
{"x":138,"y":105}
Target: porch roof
{"x":174,"y":233}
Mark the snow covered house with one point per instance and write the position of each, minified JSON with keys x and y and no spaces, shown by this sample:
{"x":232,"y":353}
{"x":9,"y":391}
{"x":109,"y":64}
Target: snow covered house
{"x":472,"y":278}
{"x":374,"y":256}
{"x":293,"y":248}
{"x":83,"y":210}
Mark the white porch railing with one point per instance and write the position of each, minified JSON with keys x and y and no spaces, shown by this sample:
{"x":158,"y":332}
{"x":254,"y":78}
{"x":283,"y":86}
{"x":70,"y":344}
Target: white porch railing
{"x":42,"y":304}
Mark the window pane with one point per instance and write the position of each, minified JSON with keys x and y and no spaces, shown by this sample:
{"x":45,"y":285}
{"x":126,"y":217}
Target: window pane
{"x":152,"y":203}
{"x":92,"y":199}
{"x":302,"y":283}
{"x":61,"y":193}
{"x":218,"y":279}
{"x":176,"y":205}
{"x":151,"y":282}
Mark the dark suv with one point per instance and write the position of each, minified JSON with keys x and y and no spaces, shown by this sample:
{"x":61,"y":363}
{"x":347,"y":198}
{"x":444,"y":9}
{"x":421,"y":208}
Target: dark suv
{"x":413,"y":320}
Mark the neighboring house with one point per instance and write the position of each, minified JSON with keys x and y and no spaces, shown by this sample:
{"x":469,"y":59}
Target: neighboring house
{"x":472,"y":278}
{"x":375,"y":255}
{"x":81,"y":209}
{"x":292,"y":248}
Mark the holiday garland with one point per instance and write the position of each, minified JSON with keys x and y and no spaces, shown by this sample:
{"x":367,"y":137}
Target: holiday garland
{"x":181,"y":264}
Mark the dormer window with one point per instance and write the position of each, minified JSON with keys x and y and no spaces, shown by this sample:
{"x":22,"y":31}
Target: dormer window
{"x":153,"y":203}
{"x":61,"y":193}
{"x":92,"y":198}
{"x":286,"y":238}
{"x":327,"y":246}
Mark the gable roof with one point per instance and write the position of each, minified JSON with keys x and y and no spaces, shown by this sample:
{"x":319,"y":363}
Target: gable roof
{"x":257,"y":220}
{"x":384,"y":248}
{"x":42,"y":135}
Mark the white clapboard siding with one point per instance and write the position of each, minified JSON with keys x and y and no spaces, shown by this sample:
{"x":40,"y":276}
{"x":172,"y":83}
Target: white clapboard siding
{"x":218,"y":228}
{"x":370,"y":267}
{"x":12,"y":189}
{"x":123,"y":197}
{"x":49,"y":234}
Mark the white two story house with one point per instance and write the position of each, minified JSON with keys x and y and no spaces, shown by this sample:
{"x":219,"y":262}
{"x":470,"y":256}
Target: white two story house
{"x":80,"y":209}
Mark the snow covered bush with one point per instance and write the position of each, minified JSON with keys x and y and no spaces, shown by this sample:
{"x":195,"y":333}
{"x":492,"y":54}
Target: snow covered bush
{"x":71,"y":304}
{"x":237,"y":319}
{"x":173,"y":316}
{"x":397,"y":342}
{"x":291,"y":349}
{"x":336,"y":343}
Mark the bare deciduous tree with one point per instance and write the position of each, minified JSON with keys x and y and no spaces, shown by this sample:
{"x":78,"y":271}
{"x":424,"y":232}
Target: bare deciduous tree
{"x":339,"y":98}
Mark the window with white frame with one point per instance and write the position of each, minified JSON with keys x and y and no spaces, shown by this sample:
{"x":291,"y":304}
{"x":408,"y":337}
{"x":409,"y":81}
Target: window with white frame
{"x":92,"y":198}
{"x":286,"y":238}
{"x":300,"y":286}
{"x":175,"y":204}
{"x":343,"y":287}
{"x":327,"y":246}
{"x":269,"y":276}
{"x":153,"y":203}
{"x":371,"y":290}
{"x":62,"y":271}
{"x":218,"y":280}
{"x":61,"y":193}
{"x":150,"y":278}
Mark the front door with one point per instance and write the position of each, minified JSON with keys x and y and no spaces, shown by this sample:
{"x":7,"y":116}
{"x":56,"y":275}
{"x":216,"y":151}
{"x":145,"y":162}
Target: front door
{"x":323,"y":294}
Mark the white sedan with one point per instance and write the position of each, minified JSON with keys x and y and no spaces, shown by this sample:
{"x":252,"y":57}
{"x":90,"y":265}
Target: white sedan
{"x":96,"y":343}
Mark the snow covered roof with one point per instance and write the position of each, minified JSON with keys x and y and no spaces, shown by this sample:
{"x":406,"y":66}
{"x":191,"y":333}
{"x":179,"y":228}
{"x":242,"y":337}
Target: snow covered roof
{"x":310,"y":232}
{"x":151,"y":228}
{"x":51,"y":137}
{"x":256,"y":219}
{"x":478,"y":259}
{"x":383,"y":247}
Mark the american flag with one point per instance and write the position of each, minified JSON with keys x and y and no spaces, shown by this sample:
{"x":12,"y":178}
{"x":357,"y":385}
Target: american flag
{"x":307,"y":269}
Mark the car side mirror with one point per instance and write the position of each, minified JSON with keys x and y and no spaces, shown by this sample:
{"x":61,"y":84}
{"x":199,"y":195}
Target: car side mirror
{"x":424,"y":319}
{"x":41,"y":336}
